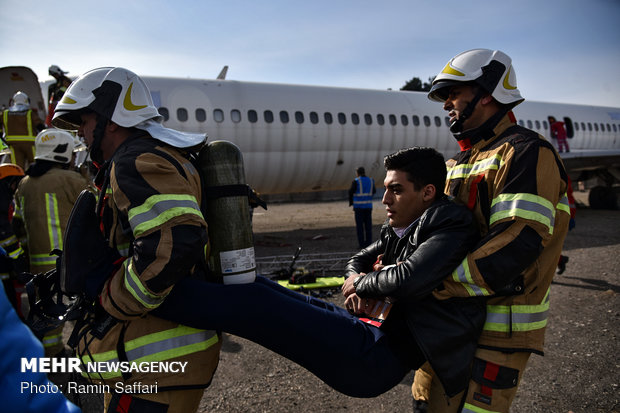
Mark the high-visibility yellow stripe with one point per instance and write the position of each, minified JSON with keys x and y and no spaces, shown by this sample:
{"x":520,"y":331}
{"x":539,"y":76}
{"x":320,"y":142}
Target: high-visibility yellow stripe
{"x":160,"y":346}
{"x":477,"y":168}
{"x":158,"y":209}
{"x":462,"y":275}
{"x":49,"y":341}
{"x":523,"y":205}
{"x":135,"y":286}
{"x":501,"y":318}
{"x":470,"y":408}
{"x":11,"y":138}
{"x":563,"y":205}
{"x":54,"y":227}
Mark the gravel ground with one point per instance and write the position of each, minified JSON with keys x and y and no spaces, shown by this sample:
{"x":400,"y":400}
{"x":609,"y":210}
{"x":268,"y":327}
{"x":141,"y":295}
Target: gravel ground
{"x":579,"y":373}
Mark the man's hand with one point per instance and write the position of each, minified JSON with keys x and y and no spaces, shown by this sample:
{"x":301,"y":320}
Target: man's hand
{"x":378,"y":265}
{"x":348,"y":288}
{"x":357,"y":305}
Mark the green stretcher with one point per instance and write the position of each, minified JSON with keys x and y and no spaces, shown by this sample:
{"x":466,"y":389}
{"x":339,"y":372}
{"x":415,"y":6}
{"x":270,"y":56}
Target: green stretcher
{"x":321,"y":282}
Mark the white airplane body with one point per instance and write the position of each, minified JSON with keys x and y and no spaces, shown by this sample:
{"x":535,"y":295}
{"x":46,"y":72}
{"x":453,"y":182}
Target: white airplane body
{"x":299,"y":155}
{"x":297,"y":138}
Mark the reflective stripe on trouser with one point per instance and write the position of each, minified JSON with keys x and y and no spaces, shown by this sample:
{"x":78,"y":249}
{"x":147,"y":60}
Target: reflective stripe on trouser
{"x":164,"y":345}
{"x":52,"y":342}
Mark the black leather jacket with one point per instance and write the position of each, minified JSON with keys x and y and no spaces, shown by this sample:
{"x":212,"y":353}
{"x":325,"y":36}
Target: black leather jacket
{"x":445,"y":330}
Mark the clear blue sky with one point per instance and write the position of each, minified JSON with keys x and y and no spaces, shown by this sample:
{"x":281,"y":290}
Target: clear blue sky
{"x":563,"y":50}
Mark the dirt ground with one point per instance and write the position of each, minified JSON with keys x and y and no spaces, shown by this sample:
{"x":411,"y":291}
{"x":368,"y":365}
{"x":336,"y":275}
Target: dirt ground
{"x":580,"y":371}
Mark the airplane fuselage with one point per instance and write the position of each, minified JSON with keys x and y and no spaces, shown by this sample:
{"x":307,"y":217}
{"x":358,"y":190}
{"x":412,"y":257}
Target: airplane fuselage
{"x":298,"y":138}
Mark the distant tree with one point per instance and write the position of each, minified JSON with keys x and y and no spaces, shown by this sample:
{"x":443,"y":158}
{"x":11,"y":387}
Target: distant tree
{"x":416,"y":85}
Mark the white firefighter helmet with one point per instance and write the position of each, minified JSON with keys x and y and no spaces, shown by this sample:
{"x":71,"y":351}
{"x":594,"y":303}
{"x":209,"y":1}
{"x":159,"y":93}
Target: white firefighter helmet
{"x":491,"y":69}
{"x":112,"y":92}
{"x":56,"y":71}
{"x":54,"y":145}
{"x":20,"y":101}
{"x":122,"y":97}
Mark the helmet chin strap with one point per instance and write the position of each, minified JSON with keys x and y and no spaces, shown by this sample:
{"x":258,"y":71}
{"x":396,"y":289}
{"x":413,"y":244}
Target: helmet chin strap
{"x":456,"y":127}
{"x":96,"y":154}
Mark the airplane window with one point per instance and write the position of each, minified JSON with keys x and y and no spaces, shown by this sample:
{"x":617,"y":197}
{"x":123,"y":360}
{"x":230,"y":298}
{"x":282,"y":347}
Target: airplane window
{"x":164,"y":112}
{"x":235,"y":115}
{"x":342,"y":118}
{"x":544,"y":124}
{"x":299,"y":117}
{"x":392,"y":120}
{"x":596,"y":127}
{"x":589,"y":126}
{"x":437,"y":121}
{"x":252,"y":116}
{"x":614,"y":127}
{"x":182,"y":115}
{"x":328,"y":118}
{"x":283,"y":116}
{"x":447,"y":120}
{"x":416,"y":120}
{"x":355,"y":118}
{"x":368,"y":118}
{"x":427,"y":121}
{"x":537,"y":124}
{"x":603,"y":127}
{"x":201,"y":115}
{"x":380,"y":119}
{"x":268,"y":116}
{"x":529,"y":124}
{"x":521,"y":123}
{"x":576,"y":126}
{"x":404,"y":120}
{"x":218,"y":115}
{"x":314,"y":117}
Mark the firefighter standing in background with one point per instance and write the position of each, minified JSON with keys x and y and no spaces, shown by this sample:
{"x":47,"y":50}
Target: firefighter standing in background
{"x":151,"y":217}
{"x":515,"y":183}
{"x":21,"y":125}
{"x":44,"y":200}
{"x":360,"y":197}
{"x":55,"y":90}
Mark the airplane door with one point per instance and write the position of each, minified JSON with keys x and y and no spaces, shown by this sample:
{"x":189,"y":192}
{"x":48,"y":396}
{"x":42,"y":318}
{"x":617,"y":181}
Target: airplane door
{"x":570,"y":129}
{"x":21,"y":78}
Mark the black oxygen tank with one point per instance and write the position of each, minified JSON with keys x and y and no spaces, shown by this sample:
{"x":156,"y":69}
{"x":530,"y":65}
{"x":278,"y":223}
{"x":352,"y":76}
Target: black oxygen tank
{"x":228,"y":213}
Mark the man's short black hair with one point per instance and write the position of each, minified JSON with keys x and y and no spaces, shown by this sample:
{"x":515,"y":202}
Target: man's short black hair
{"x":360,"y":170}
{"x":423,"y":166}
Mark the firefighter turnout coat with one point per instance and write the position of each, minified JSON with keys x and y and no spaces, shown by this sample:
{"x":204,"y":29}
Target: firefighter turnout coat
{"x":515,"y":183}
{"x":153,"y":218}
{"x":44,"y":203}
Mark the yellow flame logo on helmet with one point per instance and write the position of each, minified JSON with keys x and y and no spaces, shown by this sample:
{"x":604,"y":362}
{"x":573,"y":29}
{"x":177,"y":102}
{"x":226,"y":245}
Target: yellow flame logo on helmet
{"x":128,"y":104}
{"x":506,"y":83}
{"x":449,"y":70}
{"x":66,"y":99}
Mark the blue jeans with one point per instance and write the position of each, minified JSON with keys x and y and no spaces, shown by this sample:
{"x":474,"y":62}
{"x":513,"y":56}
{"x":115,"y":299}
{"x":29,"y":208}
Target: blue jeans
{"x":349,"y":355}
